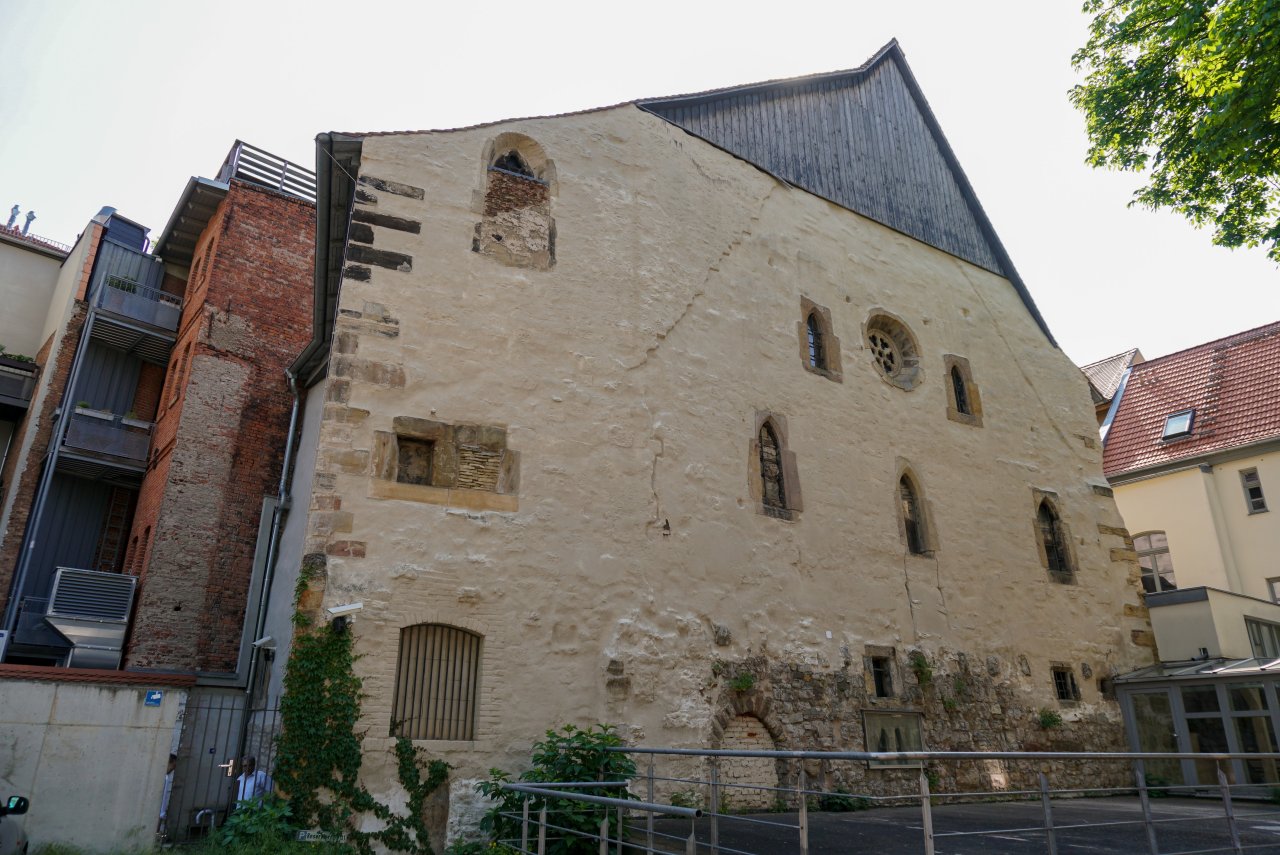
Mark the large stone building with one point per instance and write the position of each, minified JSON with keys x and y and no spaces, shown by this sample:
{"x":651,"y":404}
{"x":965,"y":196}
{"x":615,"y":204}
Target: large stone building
{"x":724,"y":418}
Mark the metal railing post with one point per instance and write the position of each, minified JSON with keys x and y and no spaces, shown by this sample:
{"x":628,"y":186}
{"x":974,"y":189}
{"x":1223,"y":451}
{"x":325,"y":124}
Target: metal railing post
{"x":524,"y":825}
{"x":1050,"y":837}
{"x":604,"y":833}
{"x":691,"y":845}
{"x":1144,"y":799}
{"x":542,"y":830}
{"x":714,"y":808}
{"x":1229,"y":810}
{"x":804,"y":812}
{"x":926,"y":812}
{"x":649,"y":815}
{"x":620,"y":827}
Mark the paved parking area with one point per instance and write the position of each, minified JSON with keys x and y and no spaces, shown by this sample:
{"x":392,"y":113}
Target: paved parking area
{"x":1106,"y":826}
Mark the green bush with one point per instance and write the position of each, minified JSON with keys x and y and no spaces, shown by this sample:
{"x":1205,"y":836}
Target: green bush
{"x":569,"y":754}
{"x":1049,"y":719}
{"x":841,"y":800}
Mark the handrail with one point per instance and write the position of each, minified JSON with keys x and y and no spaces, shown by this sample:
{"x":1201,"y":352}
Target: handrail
{"x":131,"y":286}
{"x":916,"y":756}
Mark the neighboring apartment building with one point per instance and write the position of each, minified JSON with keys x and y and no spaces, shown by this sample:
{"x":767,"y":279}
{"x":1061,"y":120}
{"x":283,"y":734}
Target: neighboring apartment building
{"x":137,"y":530}
{"x":608,"y":409}
{"x":1192,"y":451}
{"x":29,"y":267}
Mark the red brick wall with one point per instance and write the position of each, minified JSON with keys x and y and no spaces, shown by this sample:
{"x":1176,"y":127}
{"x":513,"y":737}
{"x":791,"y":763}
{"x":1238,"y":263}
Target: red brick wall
{"x":221,"y":444}
{"x":25,"y":482}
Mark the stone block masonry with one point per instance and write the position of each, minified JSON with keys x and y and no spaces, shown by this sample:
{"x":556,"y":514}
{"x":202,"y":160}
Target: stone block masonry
{"x":220,"y":435}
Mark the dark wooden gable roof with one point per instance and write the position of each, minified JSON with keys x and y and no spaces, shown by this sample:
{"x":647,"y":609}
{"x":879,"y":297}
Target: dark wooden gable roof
{"x":864,"y":139}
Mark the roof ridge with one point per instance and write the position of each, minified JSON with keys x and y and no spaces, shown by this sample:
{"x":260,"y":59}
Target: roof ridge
{"x":1226,"y":341}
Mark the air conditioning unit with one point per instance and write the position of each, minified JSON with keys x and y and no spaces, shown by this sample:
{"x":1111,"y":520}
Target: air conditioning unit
{"x":91,"y":610}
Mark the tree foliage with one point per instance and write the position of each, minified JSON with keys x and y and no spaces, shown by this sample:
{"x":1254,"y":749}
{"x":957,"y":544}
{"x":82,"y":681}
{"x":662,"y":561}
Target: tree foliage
{"x":1188,"y":91}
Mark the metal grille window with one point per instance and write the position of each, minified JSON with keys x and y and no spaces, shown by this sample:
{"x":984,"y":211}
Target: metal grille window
{"x":885,"y":353}
{"x":1254,"y":500}
{"x":911,"y":517}
{"x":773,"y":493}
{"x":437,"y":682}
{"x":817,"y":354}
{"x":960,"y":391}
{"x":1055,"y":547}
{"x":1064,"y":683}
{"x":1157,"y":566}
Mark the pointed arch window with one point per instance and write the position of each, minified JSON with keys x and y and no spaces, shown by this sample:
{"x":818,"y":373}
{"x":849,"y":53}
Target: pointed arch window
{"x":772,"y":486}
{"x":961,"y":394}
{"x":819,"y":347}
{"x":774,"y":480}
{"x":1053,"y":542}
{"x":912,"y":517}
{"x":817,"y":357}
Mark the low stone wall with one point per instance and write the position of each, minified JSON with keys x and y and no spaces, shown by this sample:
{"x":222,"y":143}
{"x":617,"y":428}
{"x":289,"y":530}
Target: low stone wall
{"x":88,"y":751}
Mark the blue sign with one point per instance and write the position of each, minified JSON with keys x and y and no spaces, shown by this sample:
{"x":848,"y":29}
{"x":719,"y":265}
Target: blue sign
{"x":153,"y":698}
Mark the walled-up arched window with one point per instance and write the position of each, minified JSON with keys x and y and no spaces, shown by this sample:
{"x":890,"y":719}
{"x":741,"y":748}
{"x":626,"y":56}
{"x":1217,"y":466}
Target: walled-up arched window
{"x":773,"y":490}
{"x":912,"y":517}
{"x":517,"y":228}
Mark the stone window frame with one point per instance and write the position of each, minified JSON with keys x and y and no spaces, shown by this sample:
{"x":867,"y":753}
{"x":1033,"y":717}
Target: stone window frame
{"x":449,"y":442}
{"x":953,"y":366}
{"x":792,"y":501}
{"x":456,"y":691}
{"x":541,"y":170}
{"x":1048,"y":498}
{"x":868,"y":715}
{"x":883,"y":329}
{"x":830,"y":367}
{"x":928,"y":535}
{"x":1067,"y":689}
{"x":873,"y":653}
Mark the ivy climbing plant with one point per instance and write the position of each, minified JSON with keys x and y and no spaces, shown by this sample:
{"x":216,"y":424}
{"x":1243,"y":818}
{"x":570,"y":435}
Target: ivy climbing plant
{"x":319,"y":750}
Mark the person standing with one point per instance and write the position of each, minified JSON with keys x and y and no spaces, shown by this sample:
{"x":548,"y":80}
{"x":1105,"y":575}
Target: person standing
{"x":163,"y":827}
{"x":253,"y":783}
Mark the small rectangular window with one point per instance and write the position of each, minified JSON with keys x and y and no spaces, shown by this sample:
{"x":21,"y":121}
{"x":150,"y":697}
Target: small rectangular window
{"x":413,"y":460}
{"x":1264,"y":638}
{"x":1253,"y":498}
{"x":882,"y":676}
{"x":1064,"y":683}
{"x":1273,"y":587}
{"x":1178,"y":425}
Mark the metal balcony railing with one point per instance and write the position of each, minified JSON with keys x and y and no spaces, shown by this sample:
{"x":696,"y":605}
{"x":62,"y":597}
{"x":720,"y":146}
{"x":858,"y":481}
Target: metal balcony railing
{"x":101,"y":433}
{"x":17,"y":382}
{"x":123,"y":296}
{"x":252,"y":164}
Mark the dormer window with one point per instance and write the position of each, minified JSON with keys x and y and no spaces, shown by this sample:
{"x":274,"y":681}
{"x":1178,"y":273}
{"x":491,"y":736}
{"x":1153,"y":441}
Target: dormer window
{"x":1178,"y":425}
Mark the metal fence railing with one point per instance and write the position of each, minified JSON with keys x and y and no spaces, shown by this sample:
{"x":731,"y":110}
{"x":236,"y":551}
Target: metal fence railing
{"x":671,"y":809}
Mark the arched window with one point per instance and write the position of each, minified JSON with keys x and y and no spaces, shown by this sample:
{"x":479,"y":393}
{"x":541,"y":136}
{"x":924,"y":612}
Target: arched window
{"x":773,"y":492}
{"x":817,"y":358}
{"x":1153,"y":558}
{"x":437,"y":682}
{"x":912,"y":517}
{"x":1054,"y":542}
{"x":961,"y":393}
{"x":517,"y":228}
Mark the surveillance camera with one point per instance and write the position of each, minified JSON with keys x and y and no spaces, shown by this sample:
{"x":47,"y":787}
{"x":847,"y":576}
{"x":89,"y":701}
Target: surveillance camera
{"x":266,"y":641}
{"x":349,"y":608}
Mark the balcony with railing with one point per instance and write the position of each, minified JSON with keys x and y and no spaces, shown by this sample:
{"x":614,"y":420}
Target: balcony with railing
{"x":132,"y":313}
{"x":17,"y":382}
{"x":250,"y":163}
{"x":97,"y":441}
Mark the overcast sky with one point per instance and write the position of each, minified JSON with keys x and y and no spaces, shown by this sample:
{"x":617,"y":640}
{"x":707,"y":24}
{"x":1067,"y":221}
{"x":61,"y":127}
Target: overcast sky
{"x":118,"y":103}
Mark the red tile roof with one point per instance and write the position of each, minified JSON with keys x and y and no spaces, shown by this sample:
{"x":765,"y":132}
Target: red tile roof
{"x":93,"y":675}
{"x":1233,"y":384}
